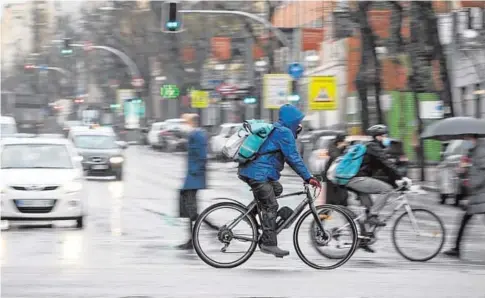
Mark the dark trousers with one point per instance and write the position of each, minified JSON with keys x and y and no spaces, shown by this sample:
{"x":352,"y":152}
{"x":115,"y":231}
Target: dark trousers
{"x":265,"y":194}
{"x":188,"y":204}
{"x":464,"y":221}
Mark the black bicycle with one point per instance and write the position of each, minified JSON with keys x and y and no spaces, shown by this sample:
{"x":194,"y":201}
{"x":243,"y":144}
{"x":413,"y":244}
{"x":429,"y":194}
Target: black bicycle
{"x":230,"y":237}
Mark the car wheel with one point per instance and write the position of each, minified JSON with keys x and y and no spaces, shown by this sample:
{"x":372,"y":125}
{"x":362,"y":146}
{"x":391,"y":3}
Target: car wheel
{"x":80,"y":222}
{"x":119,"y":175}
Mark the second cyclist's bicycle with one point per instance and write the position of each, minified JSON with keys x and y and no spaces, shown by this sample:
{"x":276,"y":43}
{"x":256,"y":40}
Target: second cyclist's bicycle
{"x":410,"y":229}
{"x":228,"y":237}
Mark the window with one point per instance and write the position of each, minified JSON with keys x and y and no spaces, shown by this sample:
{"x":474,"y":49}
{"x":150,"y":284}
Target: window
{"x":95,"y":142}
{"x":36,"y":156}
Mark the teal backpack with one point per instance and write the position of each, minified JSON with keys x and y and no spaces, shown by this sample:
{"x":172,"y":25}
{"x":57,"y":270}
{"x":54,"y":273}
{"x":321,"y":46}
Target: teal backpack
{"x":349,"y":164}
{"x":244,"y":145}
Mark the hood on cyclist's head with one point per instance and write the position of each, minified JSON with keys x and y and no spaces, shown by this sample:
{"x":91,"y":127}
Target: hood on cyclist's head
{"x":290,"y":117}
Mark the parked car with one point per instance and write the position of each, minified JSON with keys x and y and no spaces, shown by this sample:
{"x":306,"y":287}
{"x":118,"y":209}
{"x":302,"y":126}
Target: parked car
{"x":217,"y":142}
{"x":174,"y":135}
{"x":307,"y":142}
{"x":154,"y":132}
{"x":319,"y":157}
{"x":448,"y":181}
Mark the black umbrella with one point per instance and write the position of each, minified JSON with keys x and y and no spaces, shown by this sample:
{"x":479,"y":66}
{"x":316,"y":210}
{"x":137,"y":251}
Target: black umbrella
{"x":454,"y":128}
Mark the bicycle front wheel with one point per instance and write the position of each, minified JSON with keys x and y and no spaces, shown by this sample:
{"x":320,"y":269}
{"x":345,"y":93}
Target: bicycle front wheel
{"x":337,"y":242}
{"x":231,"y":234}
{"x":418,"y":235}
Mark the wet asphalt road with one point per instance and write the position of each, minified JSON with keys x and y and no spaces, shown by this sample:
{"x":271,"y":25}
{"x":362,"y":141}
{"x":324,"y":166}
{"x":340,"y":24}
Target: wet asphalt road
{"x":126,"y":249}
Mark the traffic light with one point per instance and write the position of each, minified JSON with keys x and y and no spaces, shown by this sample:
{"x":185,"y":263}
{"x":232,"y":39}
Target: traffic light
{"x":173,"y":22}
{"x":66,"y":49}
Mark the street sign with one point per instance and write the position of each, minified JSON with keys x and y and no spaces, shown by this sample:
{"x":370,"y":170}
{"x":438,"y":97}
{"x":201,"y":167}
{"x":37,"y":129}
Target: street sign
{"x":295,"y":70}
{"x":169,"y":91}
{"x":276,"y":89}
{"x":199,"y":99}
{"x":322,"y":93}
{"x":226,"y":89}
{"x":137,"y":82}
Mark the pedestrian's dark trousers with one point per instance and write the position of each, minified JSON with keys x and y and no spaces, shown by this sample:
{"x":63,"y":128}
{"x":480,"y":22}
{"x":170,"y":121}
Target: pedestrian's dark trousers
{"x":464,"y":221}
{"x":188,"y":204}
{"x":265,"y":194}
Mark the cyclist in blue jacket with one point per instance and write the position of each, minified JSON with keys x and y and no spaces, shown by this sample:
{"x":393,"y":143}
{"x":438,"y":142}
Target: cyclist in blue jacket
{"x":262,"y":174}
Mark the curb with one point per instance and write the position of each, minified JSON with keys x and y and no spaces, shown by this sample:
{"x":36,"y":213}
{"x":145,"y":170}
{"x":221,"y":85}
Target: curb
{"x":429,"y":188}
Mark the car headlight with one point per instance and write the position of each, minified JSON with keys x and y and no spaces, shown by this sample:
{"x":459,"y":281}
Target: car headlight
{"x":116,"y":159}
{"x":73,"y":186}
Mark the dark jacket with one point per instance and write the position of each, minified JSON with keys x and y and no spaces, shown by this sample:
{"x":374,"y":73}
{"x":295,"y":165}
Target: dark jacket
{"x":476,"y":180}
{"x":196,"y":161}
{"x":267,"y":167}
{"x":375,"y":159}
{"x":335,"y":194}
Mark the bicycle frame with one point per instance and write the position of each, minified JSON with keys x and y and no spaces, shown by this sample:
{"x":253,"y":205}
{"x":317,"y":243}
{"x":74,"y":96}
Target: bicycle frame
{"x":296,"y":213}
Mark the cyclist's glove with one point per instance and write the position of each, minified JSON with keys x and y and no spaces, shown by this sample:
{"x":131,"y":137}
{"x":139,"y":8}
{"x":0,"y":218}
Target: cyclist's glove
{"x":314,"y":182}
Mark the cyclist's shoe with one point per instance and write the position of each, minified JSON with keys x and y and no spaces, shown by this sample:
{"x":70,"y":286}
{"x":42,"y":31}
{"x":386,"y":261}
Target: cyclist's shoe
{"x":186,"y":246}
{"x":273,"y":250}
{"x":367,"y":248}
{"x":452,"y":253}
{"x":373,"y":220}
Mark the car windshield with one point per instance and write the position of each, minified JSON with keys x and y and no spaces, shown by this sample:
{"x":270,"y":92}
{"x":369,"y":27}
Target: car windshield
{"x":95,"y":142}
{"x":8,"y":129}
{"x":35,"y":156}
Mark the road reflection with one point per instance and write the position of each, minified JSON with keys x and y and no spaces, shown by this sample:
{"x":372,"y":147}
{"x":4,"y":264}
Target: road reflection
{"x":116,"y":190}
{"x":72,"y":248}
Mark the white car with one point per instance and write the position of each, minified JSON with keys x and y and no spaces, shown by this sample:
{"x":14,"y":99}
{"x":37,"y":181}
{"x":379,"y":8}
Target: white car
{"x":217,"y":142}
{"x":154,"y":133}
{"x":42,"y":180}
{"x":8,"y":126}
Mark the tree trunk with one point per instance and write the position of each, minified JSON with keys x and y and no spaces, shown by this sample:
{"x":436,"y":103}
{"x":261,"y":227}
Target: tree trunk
{"x":440,"y":54}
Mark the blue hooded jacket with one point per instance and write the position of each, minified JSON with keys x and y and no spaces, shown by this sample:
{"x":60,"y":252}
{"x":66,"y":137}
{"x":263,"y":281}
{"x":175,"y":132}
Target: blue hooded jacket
{"x":282,"y":139}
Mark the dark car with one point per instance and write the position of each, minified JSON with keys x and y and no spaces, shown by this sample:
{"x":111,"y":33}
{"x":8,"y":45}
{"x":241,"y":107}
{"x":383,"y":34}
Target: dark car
{"x":102,"y":153}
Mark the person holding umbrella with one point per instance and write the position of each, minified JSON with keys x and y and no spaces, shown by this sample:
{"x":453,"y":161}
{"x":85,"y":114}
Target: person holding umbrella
{"x":473,"y":167}
{"x":475,"y":184}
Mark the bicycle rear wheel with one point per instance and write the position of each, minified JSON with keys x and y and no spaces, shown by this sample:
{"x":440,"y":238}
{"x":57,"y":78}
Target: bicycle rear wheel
{"x":344,"y":236}
{"x":225,"y":239}
{"x":424,"y":225}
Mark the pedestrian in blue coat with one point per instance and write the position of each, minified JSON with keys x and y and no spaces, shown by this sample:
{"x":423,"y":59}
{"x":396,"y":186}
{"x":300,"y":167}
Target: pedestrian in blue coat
{"x":195,"y":178}
{"x":262,"y":174}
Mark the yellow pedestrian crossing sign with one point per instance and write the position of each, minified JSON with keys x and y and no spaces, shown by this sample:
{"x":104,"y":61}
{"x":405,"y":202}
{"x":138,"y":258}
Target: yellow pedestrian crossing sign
{"x":322,"y":93}
{"x":199,"y":99}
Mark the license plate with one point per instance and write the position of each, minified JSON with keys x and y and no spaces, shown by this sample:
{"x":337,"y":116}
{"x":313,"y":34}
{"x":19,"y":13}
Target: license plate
{"x":99,"y":167}
{"x":34,"y":203}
